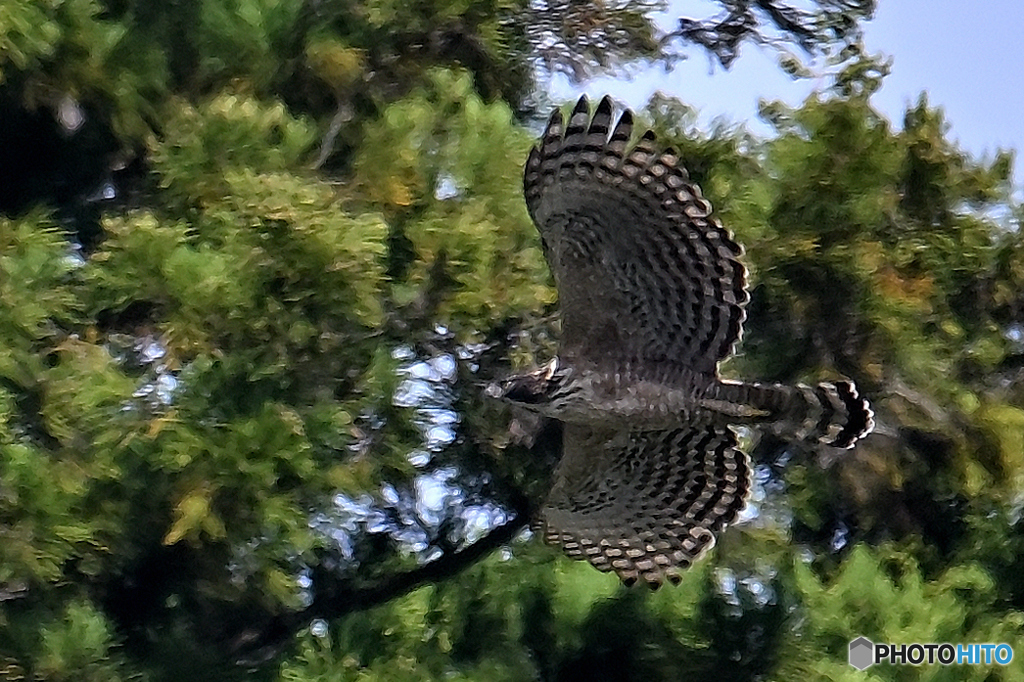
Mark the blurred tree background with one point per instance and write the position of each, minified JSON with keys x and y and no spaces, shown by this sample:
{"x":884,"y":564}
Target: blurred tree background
{"x":259,"y":257}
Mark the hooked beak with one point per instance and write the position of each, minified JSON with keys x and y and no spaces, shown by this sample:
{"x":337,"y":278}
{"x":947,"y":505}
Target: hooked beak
{"x":525,"y":389}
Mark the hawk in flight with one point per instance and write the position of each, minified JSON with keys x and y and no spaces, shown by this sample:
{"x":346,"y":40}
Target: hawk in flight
{"x":651,"y":292}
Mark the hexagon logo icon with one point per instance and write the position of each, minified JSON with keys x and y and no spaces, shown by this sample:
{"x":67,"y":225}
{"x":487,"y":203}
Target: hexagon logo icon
{"x":861,"y":653}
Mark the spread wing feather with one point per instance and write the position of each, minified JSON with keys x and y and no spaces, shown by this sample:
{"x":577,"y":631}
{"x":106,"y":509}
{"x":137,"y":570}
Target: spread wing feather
{"x":648,"y":280}
{"x":644,"y":504}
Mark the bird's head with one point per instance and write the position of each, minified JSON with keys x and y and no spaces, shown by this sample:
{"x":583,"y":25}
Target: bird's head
{"x":532,"y":389}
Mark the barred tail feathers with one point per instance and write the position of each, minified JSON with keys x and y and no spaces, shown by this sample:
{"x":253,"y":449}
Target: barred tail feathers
{"x":832,"y":413}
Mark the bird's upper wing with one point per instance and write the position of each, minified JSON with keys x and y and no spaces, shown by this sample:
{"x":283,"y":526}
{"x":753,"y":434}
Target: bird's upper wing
{"x":645,"y":275}
{"x":644,"y":504}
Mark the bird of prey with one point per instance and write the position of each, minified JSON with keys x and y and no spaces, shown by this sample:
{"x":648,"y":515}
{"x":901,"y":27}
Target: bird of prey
{"x":651,"y":293}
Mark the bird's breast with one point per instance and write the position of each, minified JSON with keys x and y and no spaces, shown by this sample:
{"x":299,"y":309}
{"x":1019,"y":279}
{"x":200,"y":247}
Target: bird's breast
{"x":636,"y":403}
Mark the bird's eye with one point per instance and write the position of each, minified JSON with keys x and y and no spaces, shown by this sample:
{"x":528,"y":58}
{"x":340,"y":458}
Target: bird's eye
{"x":524,"y":392}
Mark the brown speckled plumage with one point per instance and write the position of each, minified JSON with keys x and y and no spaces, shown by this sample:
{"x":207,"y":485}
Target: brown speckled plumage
{"x":651,"y":291}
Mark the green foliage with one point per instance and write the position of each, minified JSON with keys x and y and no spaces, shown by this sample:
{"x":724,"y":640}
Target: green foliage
{"x":78,"y":647}
{"x":882,"y":595}
{"x":227,"y":131}
{"x":49,"y":50}
{"x":207,"y":425}
{"x":34,"y":266}
{"x":447,"y":193}
{"x":244,"y":40}
{"x":28,"y":34}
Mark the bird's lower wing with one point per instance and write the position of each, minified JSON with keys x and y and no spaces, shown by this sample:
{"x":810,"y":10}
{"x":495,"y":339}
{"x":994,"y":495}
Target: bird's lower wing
{"x":644,"y":504}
